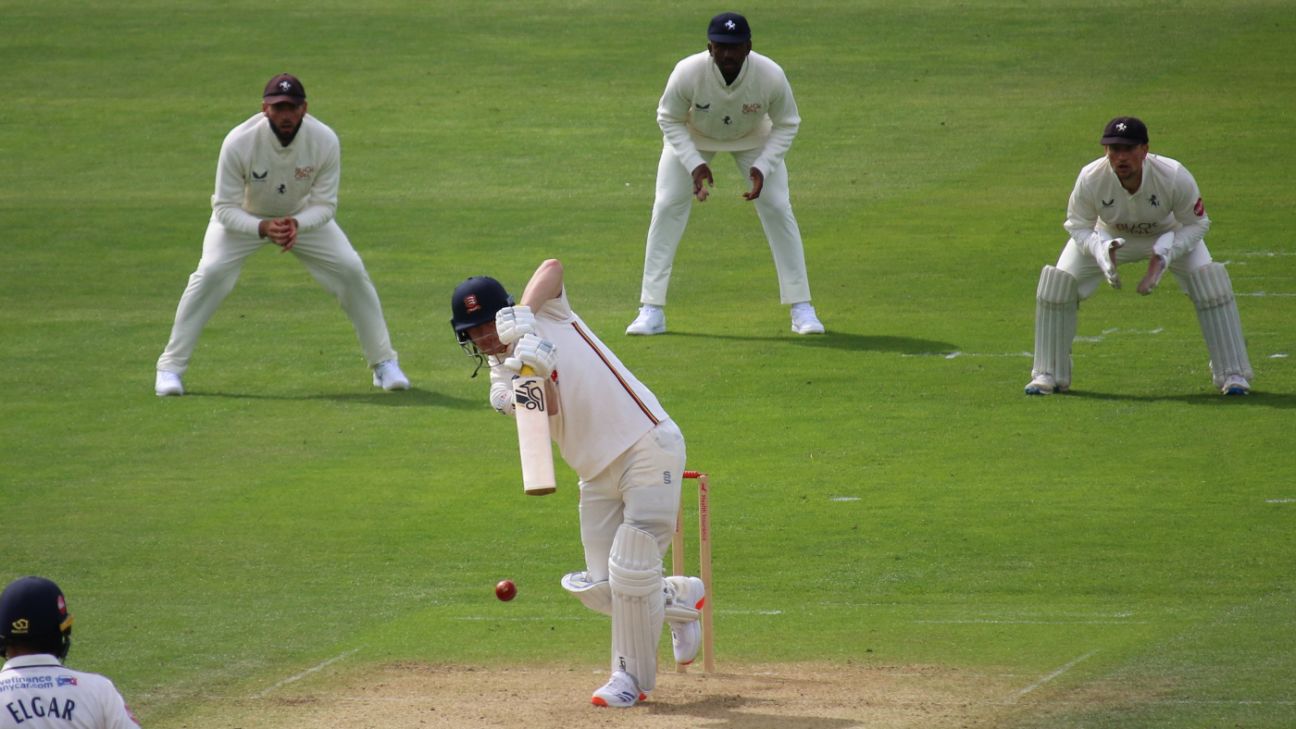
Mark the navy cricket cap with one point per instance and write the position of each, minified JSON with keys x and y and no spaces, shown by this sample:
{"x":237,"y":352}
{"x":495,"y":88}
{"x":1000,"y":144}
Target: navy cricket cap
{"x":728,"y":28}
{"x":1125,"y":130}
{"x":284,"y":87}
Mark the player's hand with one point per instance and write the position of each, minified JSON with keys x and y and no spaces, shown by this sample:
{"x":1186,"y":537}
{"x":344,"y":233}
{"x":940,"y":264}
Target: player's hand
{"x":513,"y":322}
{"x":702,"y":174}
{"x":1106,"y":258}
{"x":540,"y":354}
{"x":281,"y":231}
{"x":1156,"y":267}
{"x":758,"y":184}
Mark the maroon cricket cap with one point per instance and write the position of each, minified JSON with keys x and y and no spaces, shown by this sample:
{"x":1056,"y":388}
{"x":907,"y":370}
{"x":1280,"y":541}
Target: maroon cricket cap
{"x":284,"y":87}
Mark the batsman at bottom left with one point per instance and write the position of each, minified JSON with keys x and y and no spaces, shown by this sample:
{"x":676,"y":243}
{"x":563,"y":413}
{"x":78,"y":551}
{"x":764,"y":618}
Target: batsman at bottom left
{"x":629,"y":455}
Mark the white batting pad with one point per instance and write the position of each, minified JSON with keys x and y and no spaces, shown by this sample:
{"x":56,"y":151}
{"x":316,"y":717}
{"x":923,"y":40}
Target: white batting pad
{"x":638,"y":604}
{"x":1056,"y":301}
{"x":596,"y":596}
{"x":1211,"y":292}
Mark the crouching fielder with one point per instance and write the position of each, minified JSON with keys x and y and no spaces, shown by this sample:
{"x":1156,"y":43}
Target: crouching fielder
{"x":627,"y":451}
{"x":1131,"y":206}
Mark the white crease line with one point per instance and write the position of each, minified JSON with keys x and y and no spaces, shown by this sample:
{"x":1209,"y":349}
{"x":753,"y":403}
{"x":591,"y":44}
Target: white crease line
{"x":305,"y":673}
{"x":519,"y":618}
{"x":1032,"y":622}
{"x":1053,"y":675}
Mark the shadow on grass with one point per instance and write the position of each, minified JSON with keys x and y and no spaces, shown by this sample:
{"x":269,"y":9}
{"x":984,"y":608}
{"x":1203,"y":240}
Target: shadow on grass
{"x":841,"y":340}
{"x":413,"y":397}
{"x":724,"y":710}
{"x":1277,"y":400}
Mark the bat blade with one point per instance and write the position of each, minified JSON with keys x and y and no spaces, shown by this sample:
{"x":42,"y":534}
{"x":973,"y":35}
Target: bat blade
{"x":532,"y":411}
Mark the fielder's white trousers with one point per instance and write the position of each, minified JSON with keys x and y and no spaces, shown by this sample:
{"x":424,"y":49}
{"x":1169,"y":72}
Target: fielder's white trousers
{"x":1075,"y":261}
{"x":670,"y":215}
{"x":640,"y":488}
{"x":328,"y":256}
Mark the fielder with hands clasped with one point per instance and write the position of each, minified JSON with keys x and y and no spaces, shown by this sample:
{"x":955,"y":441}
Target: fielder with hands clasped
{"x":36,"y":690}
{"x":725,"y":99}
{"x":277,"y":181}
{"x":627,"y":451}
{"x":1129,"y":205}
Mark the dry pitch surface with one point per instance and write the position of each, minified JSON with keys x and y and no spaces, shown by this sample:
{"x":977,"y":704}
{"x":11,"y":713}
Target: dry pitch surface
{"x":783,"y":696}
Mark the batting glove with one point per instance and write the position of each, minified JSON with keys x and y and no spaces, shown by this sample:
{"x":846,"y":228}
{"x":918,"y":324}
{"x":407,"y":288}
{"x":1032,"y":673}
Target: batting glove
{"x":539,"y":354}
{"x":514,"y":322}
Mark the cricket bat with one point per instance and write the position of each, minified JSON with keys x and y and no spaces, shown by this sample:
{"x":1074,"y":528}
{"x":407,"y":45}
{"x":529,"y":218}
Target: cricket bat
{"x":532,"y":414}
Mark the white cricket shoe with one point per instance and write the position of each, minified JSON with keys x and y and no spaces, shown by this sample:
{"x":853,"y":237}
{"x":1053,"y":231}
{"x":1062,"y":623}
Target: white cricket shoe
{"x":804,"y":320}
{"x":1044,"y":385}
{"x":651,"y":320}
{"x":686,"y":637}
{"x":620,"y":692}
{"x":167,"y":383}
{"x":1233,"y":385}
{"x":387,"y":375}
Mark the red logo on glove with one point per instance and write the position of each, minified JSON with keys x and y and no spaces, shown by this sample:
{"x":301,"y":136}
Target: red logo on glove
{"x":1199,"y":208}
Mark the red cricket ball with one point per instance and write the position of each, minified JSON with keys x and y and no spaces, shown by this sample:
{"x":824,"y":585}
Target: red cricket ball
{"x":506,"y":590}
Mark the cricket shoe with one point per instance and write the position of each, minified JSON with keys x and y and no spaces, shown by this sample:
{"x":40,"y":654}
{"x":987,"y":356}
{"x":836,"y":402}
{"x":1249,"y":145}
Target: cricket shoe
{"x":686,"y":636}
{"x":387,"y":375}
{"x":804,"y":320}
{"x":620,"y":692}
{"x":168,"y":383}
{"x":1233,"y":385}
{"x":651,"y":320}
{"x":1044,"y":385}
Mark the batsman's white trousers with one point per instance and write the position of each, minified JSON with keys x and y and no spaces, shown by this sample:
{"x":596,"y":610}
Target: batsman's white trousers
{"x":328,"y":256}
{"x":671,"y":212}
{"x":1075,"y":261}
{"x":640,"y":488}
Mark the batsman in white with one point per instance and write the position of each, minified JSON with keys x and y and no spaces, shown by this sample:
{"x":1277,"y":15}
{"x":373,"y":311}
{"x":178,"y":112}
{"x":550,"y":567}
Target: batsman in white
{"x":277,"y":181}
{"x":627,"y":451}
{"x":725,"y":99}
{"x":1131,"y":206}
{"x":36,"y":691}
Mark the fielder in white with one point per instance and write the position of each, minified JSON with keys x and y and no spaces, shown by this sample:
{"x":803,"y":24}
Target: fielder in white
{"x":277,"y":181}
{"x":36,"y":690}
{"x":1131,"y":206}
{"x":725,"y":99}
{"x":627,"y":451}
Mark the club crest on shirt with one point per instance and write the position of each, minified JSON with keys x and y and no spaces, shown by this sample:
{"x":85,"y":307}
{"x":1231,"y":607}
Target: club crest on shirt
{"x":304,"y":172}
{"x":1154,"y":201}
{"x":752,"y":108}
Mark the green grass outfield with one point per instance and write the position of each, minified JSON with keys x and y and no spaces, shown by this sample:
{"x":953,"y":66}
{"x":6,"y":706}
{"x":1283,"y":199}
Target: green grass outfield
{"x":883,"y":494}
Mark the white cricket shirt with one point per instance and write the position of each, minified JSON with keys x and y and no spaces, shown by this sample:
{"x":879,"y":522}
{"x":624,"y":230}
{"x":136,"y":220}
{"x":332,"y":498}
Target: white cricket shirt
{"x":603,"y":409}
{"x":698,"y":111}
{"x":257,"y":177}
{"x":37,"y":692}
{"x":1167,"y":200}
